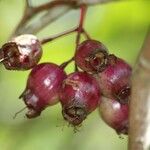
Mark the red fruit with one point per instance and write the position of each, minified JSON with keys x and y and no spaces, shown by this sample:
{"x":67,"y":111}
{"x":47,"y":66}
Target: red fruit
{"x":43,"y":85}
{"x":91,"y":56}
{"x":114,"y":81}
{"x":115,"y":114}
{"x":79,"y":96}
{"x":21,"y":53}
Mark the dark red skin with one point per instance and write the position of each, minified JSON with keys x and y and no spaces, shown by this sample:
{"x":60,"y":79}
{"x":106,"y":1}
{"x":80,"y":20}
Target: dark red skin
{"x":91,"y":56}
{"x":114,"y":81}
{"x":22,"y":52}
{"x":115,"y":114}
{"x":79,"y":96}
{"x":42,"y":90}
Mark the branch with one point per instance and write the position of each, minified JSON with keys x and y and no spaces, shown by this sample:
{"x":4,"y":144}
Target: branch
{"x":55,"y":9}
{"x":93,"y":2}
{"x":139,"y":131}
{"x":51,"y":38}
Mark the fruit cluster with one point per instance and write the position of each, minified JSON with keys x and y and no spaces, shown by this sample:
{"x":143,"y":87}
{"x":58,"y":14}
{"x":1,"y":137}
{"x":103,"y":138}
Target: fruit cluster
{"x":101,"y":80}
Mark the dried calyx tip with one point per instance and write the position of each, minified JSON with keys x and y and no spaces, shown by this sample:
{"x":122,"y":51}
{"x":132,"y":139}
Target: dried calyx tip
{"x":74,"y":115}
{"x":124,"y":94}
{"x":98,"y":60}
{"x":32,"y":113}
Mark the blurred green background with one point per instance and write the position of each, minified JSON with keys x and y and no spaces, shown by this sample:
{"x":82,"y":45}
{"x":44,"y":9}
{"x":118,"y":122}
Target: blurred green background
{"x":121,"y":26}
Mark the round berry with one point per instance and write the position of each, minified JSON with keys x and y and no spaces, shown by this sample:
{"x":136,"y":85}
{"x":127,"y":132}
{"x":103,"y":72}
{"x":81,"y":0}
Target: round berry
{"x":42,"y":89}
{"x":114,"y":114}
{"x":21,"y":53}
{"x":114,"y":81}
{"x":91,"y":56}
{"x":79,"y":96}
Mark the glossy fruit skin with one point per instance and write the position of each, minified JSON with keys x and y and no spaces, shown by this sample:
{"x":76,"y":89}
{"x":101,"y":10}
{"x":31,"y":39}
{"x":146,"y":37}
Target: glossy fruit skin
{"x":114,"y":81}
{"x":115,"y":114}
{"x":79,"y":96}
{"x":91,"y":56}
{"x":22,"y":52}
{"x":42,"y":90}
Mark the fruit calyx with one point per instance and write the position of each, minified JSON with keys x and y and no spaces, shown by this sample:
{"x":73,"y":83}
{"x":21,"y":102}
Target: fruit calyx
{"x":98,"y":60}
{"x":74,"y":114}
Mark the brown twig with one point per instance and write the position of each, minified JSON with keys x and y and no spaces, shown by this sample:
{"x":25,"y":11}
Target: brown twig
{"x":55,"y":9}
{"x":83,"y":11}
{"x":46,"y":40}
{"x":87,"y":36}
{"x":53,"y":37}
{"x":139,"y":126}
{"x":80,"y":26}
{"x":64,"y":64}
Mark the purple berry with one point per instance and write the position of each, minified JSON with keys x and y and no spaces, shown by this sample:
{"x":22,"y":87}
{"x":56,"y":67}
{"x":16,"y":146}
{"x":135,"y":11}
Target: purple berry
{"x":79,"y":96}
{"x":114,"y":81}
{"x":21,"y":53}
{"x":42,"y":89}
{"x":115,"y":114}
{"x":91,"y":56}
